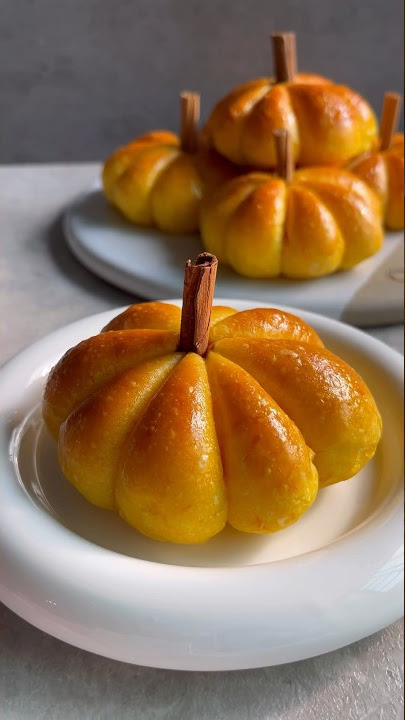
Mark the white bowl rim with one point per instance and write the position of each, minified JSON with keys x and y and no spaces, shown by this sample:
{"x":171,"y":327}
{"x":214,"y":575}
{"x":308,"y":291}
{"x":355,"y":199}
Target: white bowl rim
{"x":291,"y":593}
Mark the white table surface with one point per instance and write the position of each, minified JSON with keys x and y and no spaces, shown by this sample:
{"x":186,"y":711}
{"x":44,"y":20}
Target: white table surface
{"x":42,"y":288}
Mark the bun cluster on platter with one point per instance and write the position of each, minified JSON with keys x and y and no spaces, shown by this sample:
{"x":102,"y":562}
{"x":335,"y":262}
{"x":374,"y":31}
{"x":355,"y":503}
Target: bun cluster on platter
{"x":316,"y":221}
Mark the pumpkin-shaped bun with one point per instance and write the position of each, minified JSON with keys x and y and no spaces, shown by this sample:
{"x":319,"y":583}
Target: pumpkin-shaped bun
{"x":383,"y":171}
{"x":179,"y":444}
{"x":328,"y":123}
{"x":158,"y":180}
{"x":326,"y":219}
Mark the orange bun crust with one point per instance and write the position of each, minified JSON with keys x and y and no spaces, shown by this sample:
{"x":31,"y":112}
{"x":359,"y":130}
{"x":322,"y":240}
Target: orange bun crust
{"x":328,"y":123}
{"x":325,"y":220}
{"x":154,"y":183}
{"x":179,"y":444}
{"x":383,"y":171}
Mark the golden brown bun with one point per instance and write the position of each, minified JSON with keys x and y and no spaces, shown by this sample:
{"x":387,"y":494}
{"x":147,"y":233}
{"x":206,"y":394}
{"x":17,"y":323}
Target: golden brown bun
{"x":326,"y":219}
{"x":179,"y":444}
{"x":154,"y":183}
{"x":328,"y":123}
{"x":383,"y":171}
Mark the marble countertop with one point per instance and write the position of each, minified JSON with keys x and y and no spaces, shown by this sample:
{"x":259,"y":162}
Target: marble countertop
{"x":42,"y":288}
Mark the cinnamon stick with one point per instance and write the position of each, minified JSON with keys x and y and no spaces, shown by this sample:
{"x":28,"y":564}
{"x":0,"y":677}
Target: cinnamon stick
{"x":389,"y":118}
{"x":284,"y":56}
{"x":284,"y":154}
{"x":198,"y":291}
{"x":190,"y":115}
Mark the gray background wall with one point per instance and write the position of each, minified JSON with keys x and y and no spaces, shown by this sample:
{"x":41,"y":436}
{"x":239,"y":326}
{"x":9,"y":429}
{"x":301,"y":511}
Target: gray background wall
{"x":78,"y":77}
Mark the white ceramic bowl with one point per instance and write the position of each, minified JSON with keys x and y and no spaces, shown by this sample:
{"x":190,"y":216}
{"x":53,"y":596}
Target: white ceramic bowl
{"x":240,"y":601}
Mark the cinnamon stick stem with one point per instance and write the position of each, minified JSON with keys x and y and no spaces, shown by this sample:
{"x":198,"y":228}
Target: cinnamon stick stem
{"x":198,"y":292}
{"x":190,"y":115}
{"x":389,"y":118}
{"x":284,"y":56}
{"x":284,"y":153}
